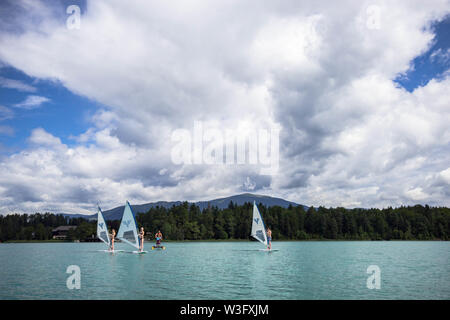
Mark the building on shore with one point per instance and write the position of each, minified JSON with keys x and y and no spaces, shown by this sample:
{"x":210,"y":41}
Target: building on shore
{"x":60,"y":233}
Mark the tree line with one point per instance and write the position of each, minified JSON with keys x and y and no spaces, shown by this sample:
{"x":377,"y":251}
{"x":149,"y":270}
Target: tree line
{"x":39,"y":226}
{"x":188,"y":222}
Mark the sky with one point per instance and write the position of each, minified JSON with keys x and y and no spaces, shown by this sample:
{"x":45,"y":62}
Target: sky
{"x":108,"y":101}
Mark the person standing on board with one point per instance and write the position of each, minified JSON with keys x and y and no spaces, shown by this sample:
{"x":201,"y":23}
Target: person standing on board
{"x":269,"y":239}
{"x":141,"y":239}
{"x":113,"y":236}
{"x":158,"y":237}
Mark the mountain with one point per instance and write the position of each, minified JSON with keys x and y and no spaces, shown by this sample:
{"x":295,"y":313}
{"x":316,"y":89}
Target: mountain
{"x":240,"y":199}
{"x":221,"y":203}
{"x":116,"y":213}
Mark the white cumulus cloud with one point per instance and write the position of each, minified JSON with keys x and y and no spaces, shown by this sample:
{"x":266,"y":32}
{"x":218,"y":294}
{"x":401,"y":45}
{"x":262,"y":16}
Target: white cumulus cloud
{"x":349,"y":136}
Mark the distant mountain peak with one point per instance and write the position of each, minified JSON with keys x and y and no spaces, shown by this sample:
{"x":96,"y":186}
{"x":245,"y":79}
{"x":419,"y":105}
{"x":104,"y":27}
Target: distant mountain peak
{"x":221,"y":203}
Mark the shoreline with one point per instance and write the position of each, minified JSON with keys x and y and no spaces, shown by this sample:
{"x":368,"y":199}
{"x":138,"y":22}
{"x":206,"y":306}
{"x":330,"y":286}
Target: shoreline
{"x":227,"y":240}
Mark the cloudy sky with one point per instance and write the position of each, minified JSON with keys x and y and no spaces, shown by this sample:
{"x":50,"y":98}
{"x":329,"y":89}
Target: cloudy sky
{"x":359,"y":91}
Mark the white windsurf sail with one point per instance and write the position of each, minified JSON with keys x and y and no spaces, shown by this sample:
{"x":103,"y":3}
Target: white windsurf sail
{"x":102,"y":229}
{"x":258,"y":227}
{"x":128,"y":229}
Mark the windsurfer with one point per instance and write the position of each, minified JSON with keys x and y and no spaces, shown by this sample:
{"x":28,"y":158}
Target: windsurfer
{"x":158,"y":237}
{"x":113,"y":236}
{"x":269,"y":239}
{"x":141,"y":239}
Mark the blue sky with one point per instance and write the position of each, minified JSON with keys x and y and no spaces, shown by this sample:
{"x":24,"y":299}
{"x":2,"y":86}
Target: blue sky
{"x":89,"y":114}
{"x":428,"y":66}
{"x":64,"y":114}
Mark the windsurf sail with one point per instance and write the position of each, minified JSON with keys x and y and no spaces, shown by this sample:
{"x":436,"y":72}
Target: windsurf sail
{"x":128,"y":228}
{"x":258,"y":227}
{"x":102,"y":229}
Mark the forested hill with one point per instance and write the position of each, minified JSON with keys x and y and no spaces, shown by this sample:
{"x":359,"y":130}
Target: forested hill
{"x":406,"y":223}
{"x":221,"y":203}
{"x":187,"y":222}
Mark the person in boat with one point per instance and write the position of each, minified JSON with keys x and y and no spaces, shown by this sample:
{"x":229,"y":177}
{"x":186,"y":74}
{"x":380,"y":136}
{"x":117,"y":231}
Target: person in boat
{"x":141,"y":239}
{"x":113,"y":236}
{"x":158,"y":237}
{"x":269,"y":239}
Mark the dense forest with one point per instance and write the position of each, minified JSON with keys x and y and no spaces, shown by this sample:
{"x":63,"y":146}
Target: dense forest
{"x":187,"y":222}
{"x":39,"y":226}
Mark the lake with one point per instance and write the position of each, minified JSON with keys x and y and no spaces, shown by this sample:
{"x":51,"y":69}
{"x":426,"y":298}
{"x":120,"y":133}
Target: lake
{"x":228,"y":270}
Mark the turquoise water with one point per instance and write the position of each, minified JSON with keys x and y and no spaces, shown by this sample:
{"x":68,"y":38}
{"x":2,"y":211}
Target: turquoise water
{"x":228,"y":270}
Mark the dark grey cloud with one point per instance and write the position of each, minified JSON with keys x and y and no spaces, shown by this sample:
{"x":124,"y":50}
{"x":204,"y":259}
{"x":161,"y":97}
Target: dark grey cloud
{"x":20,"y":192}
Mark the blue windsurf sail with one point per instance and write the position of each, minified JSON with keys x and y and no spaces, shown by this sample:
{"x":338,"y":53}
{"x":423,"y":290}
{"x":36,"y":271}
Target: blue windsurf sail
{"x":258,"y":227}
{"x":102,"y":229}
{"x":128,"y":229}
